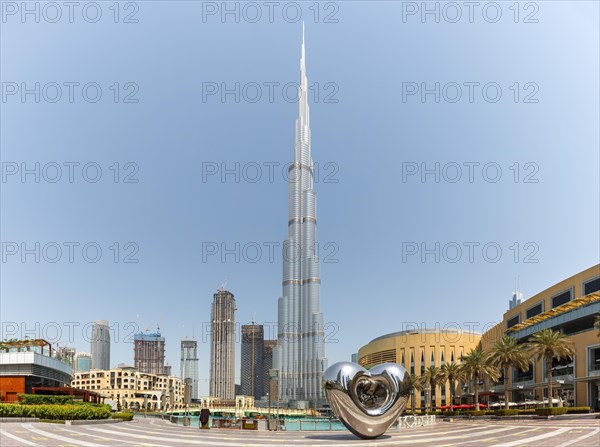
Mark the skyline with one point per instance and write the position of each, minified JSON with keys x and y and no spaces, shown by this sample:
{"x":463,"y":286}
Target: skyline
{"x":175,"y":140}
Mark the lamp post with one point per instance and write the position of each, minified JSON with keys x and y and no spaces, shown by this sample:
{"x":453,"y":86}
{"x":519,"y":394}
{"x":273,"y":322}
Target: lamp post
{"x":269,"y":412}
{"x":558,"y":393}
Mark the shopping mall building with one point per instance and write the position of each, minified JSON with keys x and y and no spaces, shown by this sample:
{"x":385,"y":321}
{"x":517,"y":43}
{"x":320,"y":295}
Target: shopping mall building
{"x":569,"y":306}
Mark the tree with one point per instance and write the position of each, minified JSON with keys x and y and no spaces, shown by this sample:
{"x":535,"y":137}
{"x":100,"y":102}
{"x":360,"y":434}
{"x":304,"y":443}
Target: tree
{"x":433,"y":376}
{"x":506,"y":354}
{"x":549,"y":345}
{"x":451,"y":372}
{"x":476,"y":366}
{"x":417,"y":383}
{"x":597,"y":323}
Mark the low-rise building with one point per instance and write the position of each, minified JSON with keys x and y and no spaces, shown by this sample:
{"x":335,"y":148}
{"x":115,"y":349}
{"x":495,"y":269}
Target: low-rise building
{"x":134,"y":390}
{"x":25,"y":364}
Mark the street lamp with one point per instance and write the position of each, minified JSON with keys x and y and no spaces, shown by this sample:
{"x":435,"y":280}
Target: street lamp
{"x":558,"y":394}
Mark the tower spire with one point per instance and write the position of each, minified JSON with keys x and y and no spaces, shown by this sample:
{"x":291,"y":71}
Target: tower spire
{"x":303,"y":112}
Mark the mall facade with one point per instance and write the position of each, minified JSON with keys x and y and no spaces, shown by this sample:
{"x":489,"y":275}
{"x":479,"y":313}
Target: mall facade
{"x":568,"y":306}
{"x":417,"y":350}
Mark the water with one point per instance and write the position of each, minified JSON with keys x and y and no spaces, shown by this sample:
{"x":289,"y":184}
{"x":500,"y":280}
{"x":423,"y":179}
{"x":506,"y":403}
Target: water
{"x":313,"y":424}
{"x":291,"y":424}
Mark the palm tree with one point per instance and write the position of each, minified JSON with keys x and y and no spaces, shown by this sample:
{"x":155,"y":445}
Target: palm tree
{"x":597,"y":323}
{"x":549,"y":344}
{"x":433,"y":376}
{"x":417,"y":383}
{"x":476,"y":366}
{"x":451,"y":372}
{"x":506,"y":354}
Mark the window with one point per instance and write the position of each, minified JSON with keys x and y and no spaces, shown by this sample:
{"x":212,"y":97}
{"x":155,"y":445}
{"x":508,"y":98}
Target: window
{"x":535,"y":310}
{"x":523,"y":376}
{"x":513,"y":321}
{"x":591,"y":286}
{"x":594,"y":360}
{"x":562,"y":298}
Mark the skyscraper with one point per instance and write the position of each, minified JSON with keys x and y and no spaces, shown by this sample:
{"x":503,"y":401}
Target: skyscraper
{"x":269,"y":347}
{"x":301,"y":357}
{"x":222,"y":348}
{"x":149,"y":352}
{"x":251,"y":372}
{"x":100,"y":345}
{"x":189,"y":364}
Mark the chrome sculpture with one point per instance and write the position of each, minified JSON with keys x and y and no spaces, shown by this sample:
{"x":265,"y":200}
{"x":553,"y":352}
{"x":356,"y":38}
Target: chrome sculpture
{"x":367,"y":402}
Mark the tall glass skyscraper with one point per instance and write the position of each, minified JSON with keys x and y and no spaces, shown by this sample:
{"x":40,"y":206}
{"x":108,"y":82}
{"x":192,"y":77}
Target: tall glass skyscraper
{"x":251,"y":371}
{"x":189,"y":364}
{"x":100,"y":345}
{"x":301,"y":349}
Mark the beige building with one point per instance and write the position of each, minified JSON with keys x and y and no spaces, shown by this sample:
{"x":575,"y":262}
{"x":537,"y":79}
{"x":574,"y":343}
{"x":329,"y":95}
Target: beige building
{"x":570,"y":307}
{"x":417,"y":350}
{"x":132,"y":389}
{"x":222,"y":346}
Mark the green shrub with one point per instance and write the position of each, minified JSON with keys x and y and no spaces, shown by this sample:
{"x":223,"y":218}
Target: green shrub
{"x":43,"y":399}
{"x":527,"y":411}
{"x":475,"y":412}
{"x":550,"y":411}
{"x":124,"y":416}
{"x":577,"y":410}
{"x":437,"y":413}
{"x":60,"y":412}
{"x":506,"y":412}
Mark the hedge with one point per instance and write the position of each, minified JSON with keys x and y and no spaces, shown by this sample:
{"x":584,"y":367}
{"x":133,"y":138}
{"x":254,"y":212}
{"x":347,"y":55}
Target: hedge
{"x":527,"y":411}
{"x":124,"y":416}
{"x":60,"y":412}
{"x":506,"y":412}
{"x":43,"y":399}
{"x":550,"y":411}
{"x":577,"y":410}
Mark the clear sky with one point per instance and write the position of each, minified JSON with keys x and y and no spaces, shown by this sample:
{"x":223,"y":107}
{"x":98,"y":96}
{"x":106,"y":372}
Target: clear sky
{"x":515,"y":136}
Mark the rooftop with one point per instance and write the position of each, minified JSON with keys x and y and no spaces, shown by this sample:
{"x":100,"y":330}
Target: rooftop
{"x":423,"y":331}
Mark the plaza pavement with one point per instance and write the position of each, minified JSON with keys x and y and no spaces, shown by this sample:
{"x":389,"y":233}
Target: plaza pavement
{"x":159,"y":433}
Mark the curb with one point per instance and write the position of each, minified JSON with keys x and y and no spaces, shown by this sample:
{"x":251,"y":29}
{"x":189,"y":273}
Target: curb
{"x":93,"y":421}
{"x":4,"y":420}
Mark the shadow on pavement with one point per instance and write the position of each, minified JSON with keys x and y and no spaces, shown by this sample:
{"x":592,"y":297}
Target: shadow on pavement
{"x":345,"y":437}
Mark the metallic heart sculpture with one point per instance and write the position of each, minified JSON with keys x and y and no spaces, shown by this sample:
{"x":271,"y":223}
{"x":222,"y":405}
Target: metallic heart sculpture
{"x":367,"y":402}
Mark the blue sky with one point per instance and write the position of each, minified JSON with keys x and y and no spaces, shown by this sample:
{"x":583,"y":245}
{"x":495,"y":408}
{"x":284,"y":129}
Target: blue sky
{"x":367,"y":140}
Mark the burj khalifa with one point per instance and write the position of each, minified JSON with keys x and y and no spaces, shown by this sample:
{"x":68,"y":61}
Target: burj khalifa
{"x":301,"y":345}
